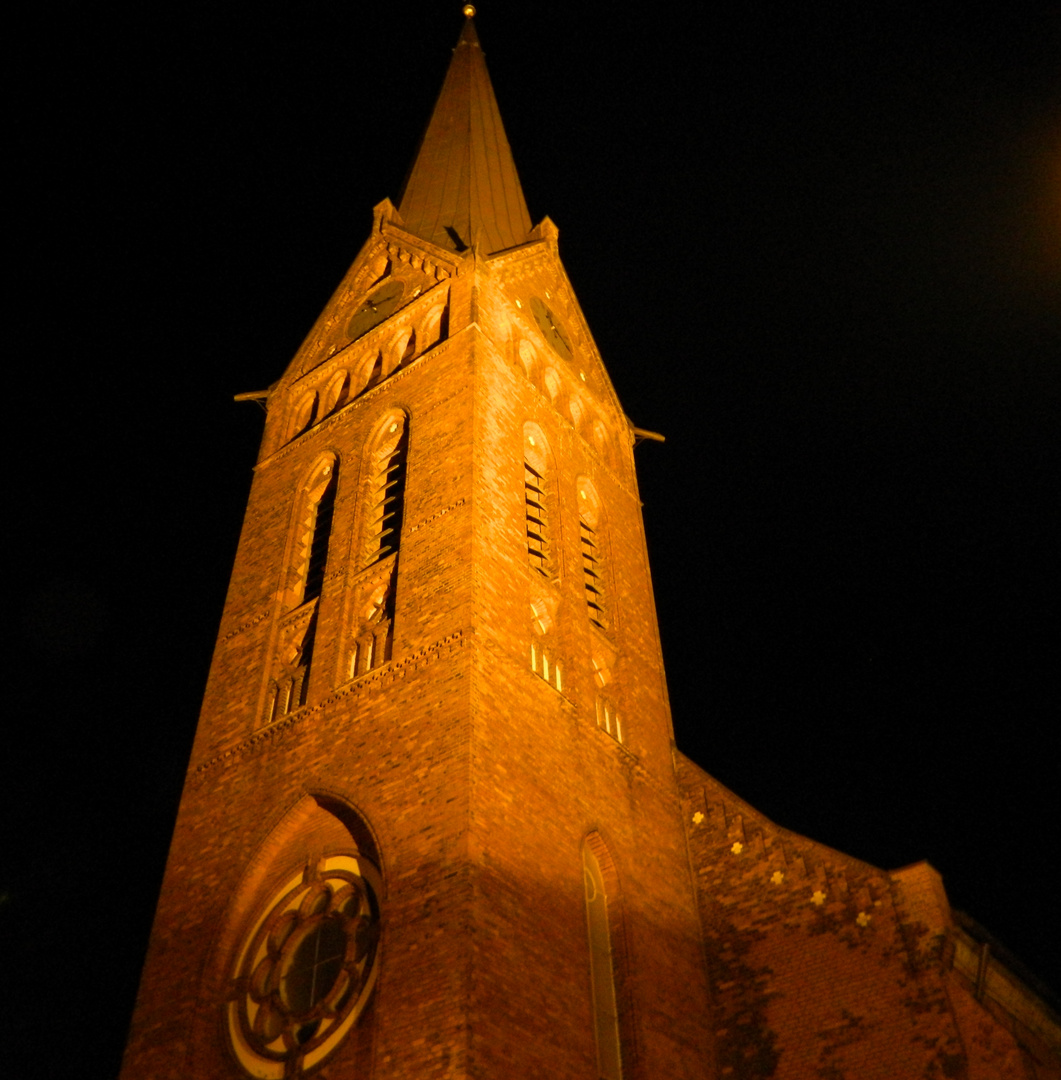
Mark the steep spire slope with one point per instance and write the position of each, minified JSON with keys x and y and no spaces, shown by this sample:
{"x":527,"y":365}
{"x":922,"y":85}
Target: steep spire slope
{"x":463,"y":187}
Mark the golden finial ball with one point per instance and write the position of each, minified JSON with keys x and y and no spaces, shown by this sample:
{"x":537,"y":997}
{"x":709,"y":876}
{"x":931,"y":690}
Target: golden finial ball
{"x":469,"y":10}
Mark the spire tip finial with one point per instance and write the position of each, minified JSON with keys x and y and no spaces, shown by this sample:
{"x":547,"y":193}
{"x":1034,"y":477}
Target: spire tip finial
{"x":468,"y":11}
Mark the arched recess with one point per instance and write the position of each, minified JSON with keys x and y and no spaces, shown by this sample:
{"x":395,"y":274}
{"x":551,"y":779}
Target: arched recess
{"x":298,"y":955}
{"x":303,"y":416}
{"x":553,"y":385}
{"x":600,"y":439}
{"x":403,"y":346}
{"x":434,"y":326}
{"x":381,"y":522}
{"x":367,"y":372}
{"x":607,"y":956}
{"x":528,"y":357}
{"x":336,"y":393}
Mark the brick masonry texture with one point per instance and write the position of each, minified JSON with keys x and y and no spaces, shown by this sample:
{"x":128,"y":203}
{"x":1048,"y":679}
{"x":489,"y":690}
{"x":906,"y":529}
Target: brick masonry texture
{"x":823,"y":966}
{"x":477,"y":781}
{"x":472,"y":782}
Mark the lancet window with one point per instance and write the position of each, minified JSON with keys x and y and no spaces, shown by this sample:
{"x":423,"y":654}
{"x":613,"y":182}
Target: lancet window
{"x":316,"y":563}
{"x":545,"y":665}
{"x":589,"y":521}
{"x":313,"y":527}
{"x":608,"y":719}
{"x":386,"y":496}
{"x":601,"y":966}
{"x":537,"y":518}
{"x":290,"y":670}
{"x":537,"y":500}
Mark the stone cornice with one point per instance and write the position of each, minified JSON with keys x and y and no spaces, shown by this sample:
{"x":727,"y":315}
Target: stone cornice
{"x":376,"y":679}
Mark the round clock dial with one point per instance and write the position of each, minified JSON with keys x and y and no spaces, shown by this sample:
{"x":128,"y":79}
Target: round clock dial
{"x":376,"y":307}
{"x":551,"y":327}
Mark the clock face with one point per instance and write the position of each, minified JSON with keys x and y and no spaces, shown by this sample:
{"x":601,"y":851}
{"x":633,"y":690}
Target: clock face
{"x":378,"y":306}
{"x":551,"y":327}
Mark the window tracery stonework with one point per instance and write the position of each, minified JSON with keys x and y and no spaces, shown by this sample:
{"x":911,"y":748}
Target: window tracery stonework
{"x":306,"y":969}
{"x":310,"y":535}
{"x":294,"y":650}
{"x":372,"y":630}
{"x":298,"y":953}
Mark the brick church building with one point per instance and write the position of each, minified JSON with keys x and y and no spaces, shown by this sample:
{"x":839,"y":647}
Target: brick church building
{"x":435,"y":824}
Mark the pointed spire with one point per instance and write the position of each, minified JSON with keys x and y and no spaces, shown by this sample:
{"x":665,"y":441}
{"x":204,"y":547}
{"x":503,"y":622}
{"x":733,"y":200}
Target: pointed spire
{"x":463,"y":187}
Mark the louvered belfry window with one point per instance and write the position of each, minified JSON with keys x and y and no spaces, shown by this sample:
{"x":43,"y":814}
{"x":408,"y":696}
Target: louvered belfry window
{"x":388,"y":495}
{"x":537,"y":519}
{"x":590,"y":525}
{"x":592,"y":572}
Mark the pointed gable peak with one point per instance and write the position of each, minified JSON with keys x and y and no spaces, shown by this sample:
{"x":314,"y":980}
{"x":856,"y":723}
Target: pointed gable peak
{"x":463,"y":186}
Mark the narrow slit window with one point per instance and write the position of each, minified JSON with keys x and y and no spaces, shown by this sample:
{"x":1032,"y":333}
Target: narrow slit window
{"x":608,"y":720}
{"x":323,"y":512}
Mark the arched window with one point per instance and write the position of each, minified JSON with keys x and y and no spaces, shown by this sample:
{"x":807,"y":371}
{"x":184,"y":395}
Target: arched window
{"x":297,"y":627}
{"x":323,"y":509}
{"x":602,"y":967}
{"x":301,"y":941}
{"x":385,"y":509}
{"x":537,"y":501}
{"x":312,"y":531}
{"x":589,"y":520}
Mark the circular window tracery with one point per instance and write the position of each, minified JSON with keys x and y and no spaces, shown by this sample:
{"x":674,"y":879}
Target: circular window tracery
{"x":306,"y":969}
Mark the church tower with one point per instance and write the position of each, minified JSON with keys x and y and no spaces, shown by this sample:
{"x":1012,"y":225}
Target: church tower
{"x":431,"y":825}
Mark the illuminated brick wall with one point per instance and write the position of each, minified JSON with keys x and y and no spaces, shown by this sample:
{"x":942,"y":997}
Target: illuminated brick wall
{"x":824,"y":966}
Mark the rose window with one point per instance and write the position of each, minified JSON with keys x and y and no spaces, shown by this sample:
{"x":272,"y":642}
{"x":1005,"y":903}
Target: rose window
{"x":306,"y":969}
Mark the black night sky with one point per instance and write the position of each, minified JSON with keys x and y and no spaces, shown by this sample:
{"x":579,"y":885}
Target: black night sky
{"x":820,"y":250}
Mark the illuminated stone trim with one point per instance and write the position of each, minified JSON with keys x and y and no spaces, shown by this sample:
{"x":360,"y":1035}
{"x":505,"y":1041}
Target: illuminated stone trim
{"x":434,"y":517}
{"x":243,"y":627}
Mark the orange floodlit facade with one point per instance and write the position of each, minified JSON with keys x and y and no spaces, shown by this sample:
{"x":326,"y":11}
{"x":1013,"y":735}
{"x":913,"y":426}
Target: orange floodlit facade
{"x":435,"y":824}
